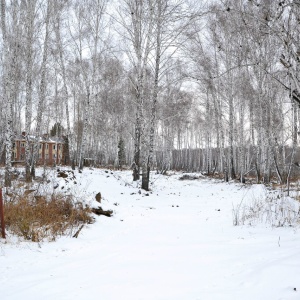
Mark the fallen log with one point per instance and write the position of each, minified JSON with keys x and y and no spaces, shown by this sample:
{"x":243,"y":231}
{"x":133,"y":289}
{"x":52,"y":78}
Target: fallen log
{"x":99,"y":211}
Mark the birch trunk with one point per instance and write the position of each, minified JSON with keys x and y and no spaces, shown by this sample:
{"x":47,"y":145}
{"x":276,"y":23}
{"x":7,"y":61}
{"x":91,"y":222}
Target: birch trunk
{"x":218,"y":158}
{"x":207,"y":135}
{"x":42,"y":92}
{"x":295,"y":139}
{"x":242,"y":146}
{"x":70,"y":140}
{"x":142,"y":54}
{"x":137,"y":143}
{"x":231,"y":129}
{"x":146,"y":171}
{"x":29,"y":64}
{"x":8,"y":96}
{"x":90,"y":83}
{"x":85,"y":129}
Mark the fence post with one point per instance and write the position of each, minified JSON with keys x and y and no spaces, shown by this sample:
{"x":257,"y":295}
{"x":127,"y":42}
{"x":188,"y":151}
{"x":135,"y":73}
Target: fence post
{"x":2,"y":215}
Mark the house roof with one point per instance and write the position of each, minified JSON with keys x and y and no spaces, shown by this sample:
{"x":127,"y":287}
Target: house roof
{"x":42,"y":139}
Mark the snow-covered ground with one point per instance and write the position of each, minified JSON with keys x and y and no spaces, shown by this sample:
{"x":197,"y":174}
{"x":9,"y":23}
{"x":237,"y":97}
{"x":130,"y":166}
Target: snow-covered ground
{"x":176,"y":242}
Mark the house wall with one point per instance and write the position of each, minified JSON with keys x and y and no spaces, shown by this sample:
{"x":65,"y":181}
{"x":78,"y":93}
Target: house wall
{"x":19,"y":150}
{"x":49,"y":152}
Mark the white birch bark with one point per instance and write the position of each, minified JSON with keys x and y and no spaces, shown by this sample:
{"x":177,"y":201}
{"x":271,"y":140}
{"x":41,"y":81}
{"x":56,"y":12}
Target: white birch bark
{"x":85,"y":129}
{"x":42,"y":91}
{"x":29,"y":88}
{"x":98,"y":9}
{"x":147,"y":167}
{"x":231,"y":135}
{"x":8,"y":95}
{"x":242,"y":140}
{"x":140,"y":34}
{"x":207,"y":135}
{"x":70,"y":135}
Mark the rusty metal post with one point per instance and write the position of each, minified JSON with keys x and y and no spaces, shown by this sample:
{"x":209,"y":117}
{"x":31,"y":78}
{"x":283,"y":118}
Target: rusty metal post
{"x":2,"y":215}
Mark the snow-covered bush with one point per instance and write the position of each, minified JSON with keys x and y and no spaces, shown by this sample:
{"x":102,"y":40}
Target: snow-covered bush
{"x":273,"y":208}
{"x":47,"y":208}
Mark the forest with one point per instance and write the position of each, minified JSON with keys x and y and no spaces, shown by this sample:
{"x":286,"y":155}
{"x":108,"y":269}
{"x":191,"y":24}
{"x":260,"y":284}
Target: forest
{"x":206,"y":86}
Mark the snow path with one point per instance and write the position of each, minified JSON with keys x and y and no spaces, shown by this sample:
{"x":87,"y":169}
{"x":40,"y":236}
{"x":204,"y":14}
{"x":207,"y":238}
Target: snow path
{"x":152,"y":249}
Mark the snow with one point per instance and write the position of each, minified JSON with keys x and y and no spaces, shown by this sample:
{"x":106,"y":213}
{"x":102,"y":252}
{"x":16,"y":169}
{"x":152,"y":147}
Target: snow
{"x":175,"y":242}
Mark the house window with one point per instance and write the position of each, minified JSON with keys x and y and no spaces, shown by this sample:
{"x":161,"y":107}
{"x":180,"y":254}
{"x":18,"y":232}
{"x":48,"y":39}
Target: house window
{"x":22,"y":156}
{"x":15,"y":154}
{"x":14,"y":145}
{"x":40,"y":146}
{"x":22,"y":145}
{"x":47,"y":156}
{"x":54,"y":147}
{"x":58,"y":147}
{"x":47,"y":146}
{"x":54,"y":156}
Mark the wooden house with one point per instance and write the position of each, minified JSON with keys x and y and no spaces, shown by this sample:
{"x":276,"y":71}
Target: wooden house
{"x":51,"y":150}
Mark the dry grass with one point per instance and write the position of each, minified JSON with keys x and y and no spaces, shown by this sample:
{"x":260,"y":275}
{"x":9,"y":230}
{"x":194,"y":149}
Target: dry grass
{"x":274,"y":208}
{"x":38,"y":218}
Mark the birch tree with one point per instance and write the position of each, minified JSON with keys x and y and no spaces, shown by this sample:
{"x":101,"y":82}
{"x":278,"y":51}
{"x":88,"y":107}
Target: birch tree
{"x":86,"y":32}
{"x":170,"y":20}
{"x":42,"y":88}
{"x":59,"y":8}
{"x":29,"y":29}
{"x":136,"y":21}
{"x":9,"y":62}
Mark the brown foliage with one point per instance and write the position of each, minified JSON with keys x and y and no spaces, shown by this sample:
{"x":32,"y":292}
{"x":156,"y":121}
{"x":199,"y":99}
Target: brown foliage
{"x":38,"y":218}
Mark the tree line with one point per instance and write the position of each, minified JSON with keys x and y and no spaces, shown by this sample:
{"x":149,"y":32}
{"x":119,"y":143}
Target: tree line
{"x":208,"y":86}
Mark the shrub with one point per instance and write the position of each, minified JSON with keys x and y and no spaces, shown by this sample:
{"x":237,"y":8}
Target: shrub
{"x":39,"y":218}
{"x":275,"y":209}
